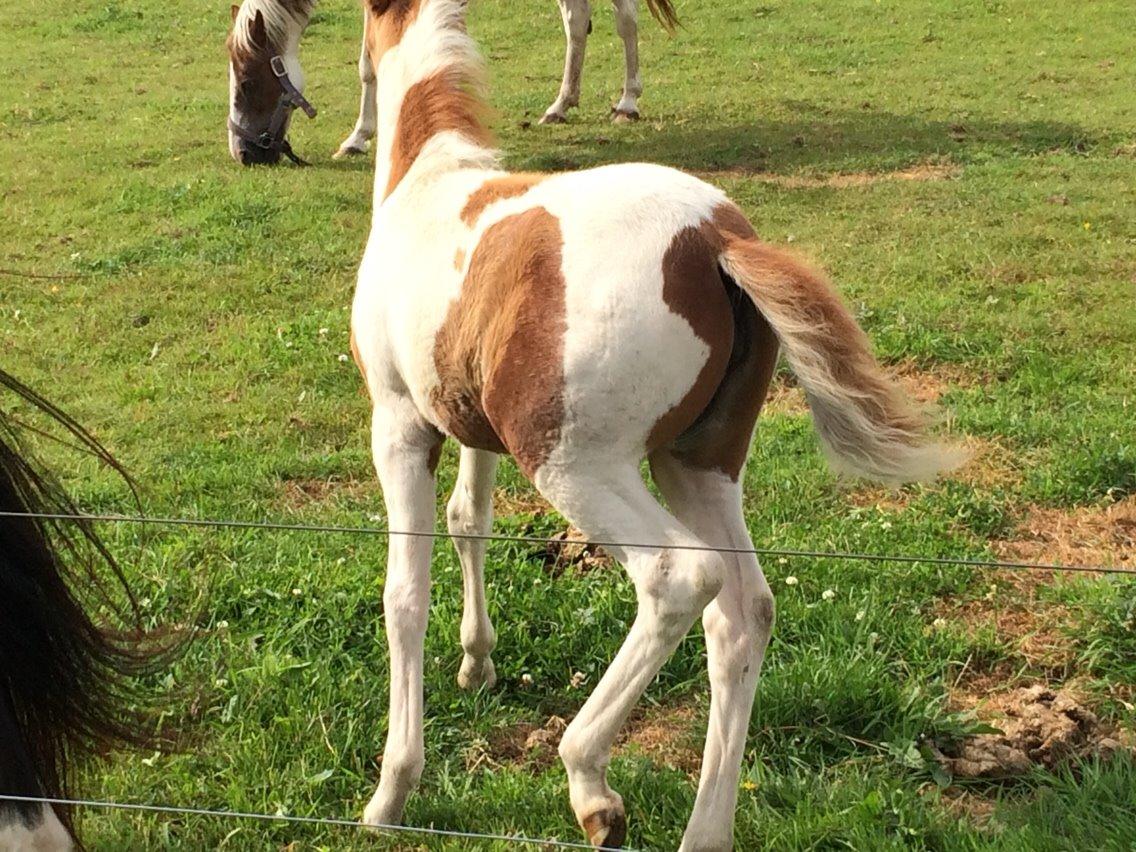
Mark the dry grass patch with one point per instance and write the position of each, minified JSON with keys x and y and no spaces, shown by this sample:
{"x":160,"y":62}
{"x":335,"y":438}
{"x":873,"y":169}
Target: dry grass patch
{"x":1094,"y":535}
{"x":527,"y":501}
{"x":667,"y":736}
{"x":295,"y":495}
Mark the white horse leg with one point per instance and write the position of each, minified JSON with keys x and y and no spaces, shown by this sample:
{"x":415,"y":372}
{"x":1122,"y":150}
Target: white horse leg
{"x":470,"y":512}
{"x":577,"y":15}
{"x":610,"y":501}
{"x":738,"y":623}
{"x":403,"y":447}
{"x":627,"y":25}
{"x":365,"y":126}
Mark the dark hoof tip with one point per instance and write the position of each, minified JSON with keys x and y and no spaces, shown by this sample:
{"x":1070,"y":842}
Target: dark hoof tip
{"x":606,"y":829}
{"x":621,"y":117}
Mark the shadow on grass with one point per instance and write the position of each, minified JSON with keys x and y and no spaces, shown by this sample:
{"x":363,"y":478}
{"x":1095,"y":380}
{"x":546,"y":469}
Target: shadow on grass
{"x":818,"y":140}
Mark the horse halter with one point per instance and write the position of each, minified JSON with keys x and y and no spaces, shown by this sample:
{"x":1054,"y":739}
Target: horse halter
{"x":273,"y":138}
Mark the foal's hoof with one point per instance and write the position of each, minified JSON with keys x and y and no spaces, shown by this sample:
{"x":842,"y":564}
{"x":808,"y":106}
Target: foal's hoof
{"x":606,"y":829}
{"x":619,"y":116}
{"x":475,"y":673}
{"x":554,"y":118}
{"x":346,"y":150}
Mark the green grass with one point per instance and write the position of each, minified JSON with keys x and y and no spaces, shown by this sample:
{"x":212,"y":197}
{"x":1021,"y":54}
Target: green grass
{"x":193,"y":344}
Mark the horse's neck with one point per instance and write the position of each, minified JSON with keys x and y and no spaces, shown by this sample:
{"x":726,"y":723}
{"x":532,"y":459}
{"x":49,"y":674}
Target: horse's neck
{"x":429,"y":106}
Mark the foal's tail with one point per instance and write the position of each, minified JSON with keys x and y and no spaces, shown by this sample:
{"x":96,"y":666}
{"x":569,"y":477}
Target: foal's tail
{"x":867,"y":426}
{"x":665,"y":14}
{"x":67,"y":686}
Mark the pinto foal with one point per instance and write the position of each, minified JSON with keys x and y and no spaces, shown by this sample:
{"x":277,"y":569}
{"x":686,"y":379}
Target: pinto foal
{"x":580,"y":322}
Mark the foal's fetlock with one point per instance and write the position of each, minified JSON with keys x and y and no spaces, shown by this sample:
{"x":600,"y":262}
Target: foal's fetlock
{"x":476,"y":672}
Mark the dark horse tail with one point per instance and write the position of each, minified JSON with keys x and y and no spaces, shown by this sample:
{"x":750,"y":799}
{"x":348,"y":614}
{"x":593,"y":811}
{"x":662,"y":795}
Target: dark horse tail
{"x":68,"y":687}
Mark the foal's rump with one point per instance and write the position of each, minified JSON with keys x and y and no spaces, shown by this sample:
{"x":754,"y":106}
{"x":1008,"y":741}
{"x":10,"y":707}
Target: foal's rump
{"x":631,"y":308}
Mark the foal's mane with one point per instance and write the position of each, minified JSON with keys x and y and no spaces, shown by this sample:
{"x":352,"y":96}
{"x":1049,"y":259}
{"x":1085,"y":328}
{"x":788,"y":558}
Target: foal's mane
{"x":442,"y":75}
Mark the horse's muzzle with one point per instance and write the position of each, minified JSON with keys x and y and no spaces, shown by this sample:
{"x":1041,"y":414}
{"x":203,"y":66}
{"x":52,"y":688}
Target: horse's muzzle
{"x":249,"y":154}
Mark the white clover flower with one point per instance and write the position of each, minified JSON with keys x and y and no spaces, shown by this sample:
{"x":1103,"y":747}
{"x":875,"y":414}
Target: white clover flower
{"x":322,"y":332}
{"x":222,"y":625}
{"x":297,"y":592}
{"x":939,"y":623}
{"x":860,"y":614}
{"x":221,"y":682}
{"x":885,"y":525}
{"x":827,"y":594}
{"x":578,"y":680}
{"x":526,"y":679}
{"x":343,"y":357}
{"x":790,"y":581}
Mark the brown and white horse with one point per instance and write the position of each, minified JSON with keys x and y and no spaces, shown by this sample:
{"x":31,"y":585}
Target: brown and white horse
{"x":265,"y":79}
{"x":577,"y":15}
{"x":580,"y":322}
{"x":66,"y":685}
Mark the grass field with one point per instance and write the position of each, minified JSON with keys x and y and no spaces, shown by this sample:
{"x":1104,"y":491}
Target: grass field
{"x":967,"y":171}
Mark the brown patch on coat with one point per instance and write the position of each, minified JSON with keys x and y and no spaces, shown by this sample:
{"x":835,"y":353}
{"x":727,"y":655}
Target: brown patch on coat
{"x":498,"y":189}
{"x":257,"y":89}
{"x":718,"y":415}
{"x":387,"y":23}
{"x":441,"y":102}
{"x":499,"y":352}
{"x":692,"y":289}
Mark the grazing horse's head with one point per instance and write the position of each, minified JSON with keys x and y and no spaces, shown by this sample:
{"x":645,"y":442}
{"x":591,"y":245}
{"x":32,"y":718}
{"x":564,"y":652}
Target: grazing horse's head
{"x":265,"y":79}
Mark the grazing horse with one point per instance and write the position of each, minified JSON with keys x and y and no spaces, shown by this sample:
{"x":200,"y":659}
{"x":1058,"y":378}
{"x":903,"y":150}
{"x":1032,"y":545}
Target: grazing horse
{"x":265,"y":80}
{"x":66,"y":685}
{"x":581,"y":321}
{"x":577,"y":15}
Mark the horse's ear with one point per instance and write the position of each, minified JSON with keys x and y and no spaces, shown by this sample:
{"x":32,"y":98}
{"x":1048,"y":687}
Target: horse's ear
{"x":259,"y":31}
{"x":234,"y":10}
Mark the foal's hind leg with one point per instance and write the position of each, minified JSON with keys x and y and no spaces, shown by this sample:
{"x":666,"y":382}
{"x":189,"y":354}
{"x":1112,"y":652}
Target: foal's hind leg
{"x":609,"y":501}
{"x":738,"y":623}
{"x":404,"y":449}
{"x":470,"y":512}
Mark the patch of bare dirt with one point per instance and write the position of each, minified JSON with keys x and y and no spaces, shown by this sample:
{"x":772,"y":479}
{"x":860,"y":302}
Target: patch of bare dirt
{"x":569,"y":551}
{"x":846,"y":180}
{"x":663,"y":734}
{"x":296,"y":494}
{"x":1038,"y":726}
{"x":667,"y":736}
{"x":525,"y":502}
{"x":1095,"y":535}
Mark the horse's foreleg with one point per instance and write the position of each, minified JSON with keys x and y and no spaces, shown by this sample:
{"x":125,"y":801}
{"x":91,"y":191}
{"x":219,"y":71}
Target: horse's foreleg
{"x":627,"y":25}
{"x":470,"y":512}
{"x":577,"y":16}
{"x":405,"y":451}
{"x":365,"y":126}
